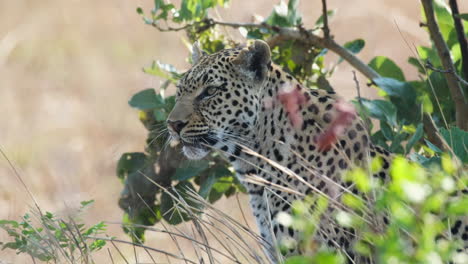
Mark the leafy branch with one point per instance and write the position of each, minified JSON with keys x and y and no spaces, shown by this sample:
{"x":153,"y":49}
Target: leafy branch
{"x":298,"y":33}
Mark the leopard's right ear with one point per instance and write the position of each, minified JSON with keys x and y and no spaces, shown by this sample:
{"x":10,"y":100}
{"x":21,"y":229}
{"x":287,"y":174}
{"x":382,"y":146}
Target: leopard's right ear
{"x":254,"y":60}
{"x":197,"y":53}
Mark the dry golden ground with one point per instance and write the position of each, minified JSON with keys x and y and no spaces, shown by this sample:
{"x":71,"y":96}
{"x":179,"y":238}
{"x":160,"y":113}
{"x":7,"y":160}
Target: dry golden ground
{"x":68,"y":68}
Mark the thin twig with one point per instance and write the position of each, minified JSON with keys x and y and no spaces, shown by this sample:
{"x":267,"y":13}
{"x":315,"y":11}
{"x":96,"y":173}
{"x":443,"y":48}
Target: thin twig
{"x":21,"y":180}
{"x":116,"y":248}
{"x":429,"y":65}
{"x":242,"y":211}
{"x":326,"y":29}
{"x":358,"y":88}
{"x":110,"y":255}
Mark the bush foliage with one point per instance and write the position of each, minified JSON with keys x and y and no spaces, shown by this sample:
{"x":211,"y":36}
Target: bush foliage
{"x":415,"y":200}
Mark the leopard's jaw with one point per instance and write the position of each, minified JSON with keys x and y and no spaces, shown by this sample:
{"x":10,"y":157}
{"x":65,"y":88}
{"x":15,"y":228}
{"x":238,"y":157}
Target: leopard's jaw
{"x":195,"y":153}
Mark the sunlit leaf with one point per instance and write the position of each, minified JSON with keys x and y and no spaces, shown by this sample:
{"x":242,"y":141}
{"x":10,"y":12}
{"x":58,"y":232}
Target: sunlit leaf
{"x":386,"y":68}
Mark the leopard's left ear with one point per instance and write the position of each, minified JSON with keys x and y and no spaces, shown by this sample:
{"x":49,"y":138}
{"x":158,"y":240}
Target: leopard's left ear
{"x":197,"y":53}
{"x":254,"y":60}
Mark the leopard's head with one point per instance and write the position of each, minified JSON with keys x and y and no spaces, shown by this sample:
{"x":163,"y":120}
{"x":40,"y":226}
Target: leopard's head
{"x":217,"y":100}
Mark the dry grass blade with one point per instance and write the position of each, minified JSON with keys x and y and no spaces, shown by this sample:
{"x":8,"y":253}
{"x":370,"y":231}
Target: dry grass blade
{"x":112,"y":240}
{"x":201,"y":226}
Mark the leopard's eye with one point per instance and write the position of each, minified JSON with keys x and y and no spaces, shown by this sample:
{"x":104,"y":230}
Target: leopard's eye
{"x":207,"y":93}
{"x":211,"y":90}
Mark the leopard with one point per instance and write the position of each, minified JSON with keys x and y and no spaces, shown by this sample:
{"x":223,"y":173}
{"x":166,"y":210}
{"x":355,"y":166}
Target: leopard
{"x":228,"y":101}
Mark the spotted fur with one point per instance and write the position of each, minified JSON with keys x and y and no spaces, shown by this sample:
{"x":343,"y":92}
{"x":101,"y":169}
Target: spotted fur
{"x":228,"y":101}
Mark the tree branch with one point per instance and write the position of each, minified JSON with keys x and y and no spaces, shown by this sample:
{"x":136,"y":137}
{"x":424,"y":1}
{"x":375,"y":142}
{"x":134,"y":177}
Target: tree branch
{"x":461,"y":108}
{"x":460,"y":35}
{"x":298,"y":33}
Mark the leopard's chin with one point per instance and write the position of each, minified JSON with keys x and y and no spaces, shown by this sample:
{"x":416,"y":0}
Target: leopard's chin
{"x":195,"y":152}
{"x":198,"y":148}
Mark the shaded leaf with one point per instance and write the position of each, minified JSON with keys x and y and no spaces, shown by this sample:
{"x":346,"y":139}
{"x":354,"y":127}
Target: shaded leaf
{"x":463,"y":16}
{"x":396,"y":88}
{"x":417,"y":63}
{"x":130,"y":162}
{"x":415,"y":138}
{"x":382,"y":110}
{"x":189,"y":168}
{"x":432,"y":146}
{"x":146,"y":99}
{"x":458,"y":141}
{"x":174,"y":210}
{"x":355,"y":46}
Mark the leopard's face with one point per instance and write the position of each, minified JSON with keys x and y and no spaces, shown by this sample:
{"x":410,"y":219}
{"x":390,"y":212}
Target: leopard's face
{"x":216,"y":104}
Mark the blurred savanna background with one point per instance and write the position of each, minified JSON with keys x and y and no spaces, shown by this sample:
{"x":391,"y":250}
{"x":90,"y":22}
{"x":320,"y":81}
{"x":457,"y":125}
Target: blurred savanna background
{"x":68,"y":69}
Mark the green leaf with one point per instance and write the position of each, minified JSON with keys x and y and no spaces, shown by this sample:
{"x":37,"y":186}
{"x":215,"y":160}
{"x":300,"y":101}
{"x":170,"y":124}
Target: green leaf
{"x":457,"y":139}
{"x":163,"y":70}
{"x":387,"y":68}
{"x":157,"y":5}
{"x":355,"y":46}
{"x":189,"y":168}
{"x":214,"y":196}
{"x":417,"y":63}
{"x":159,"y":114}
{"x":145,"y":100}
{"x":415,"y":138}
{"x":169,"y":103}
{"x":319,"y":22}
{"x":444,"y":17}
{"x":396,"y":88}
{"x":386,"y":131}
{"x":174,"y":210}
{"x":130,"y":162}
{"x":97,"y":244}
{"x":432,"y":146}
{"x":429,"y":54}
{"x":382,"y":110}
{"x":223,"y":184}
{"x":299,"y":260}
{"x":206,"y":185}
{"x":293,"y":17}
{"x":458,"y":206}
{"x":86,"y":203}
{"x":463,"y":16}
{"x":9,"y":222}
{"x":396,"y":146}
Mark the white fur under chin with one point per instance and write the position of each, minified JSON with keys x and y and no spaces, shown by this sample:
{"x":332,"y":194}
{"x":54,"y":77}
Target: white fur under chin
{"x":194,"y":153}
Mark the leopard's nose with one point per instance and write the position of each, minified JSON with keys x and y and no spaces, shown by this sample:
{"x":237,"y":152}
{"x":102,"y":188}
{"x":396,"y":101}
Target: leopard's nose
{"x":176,"y":126}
